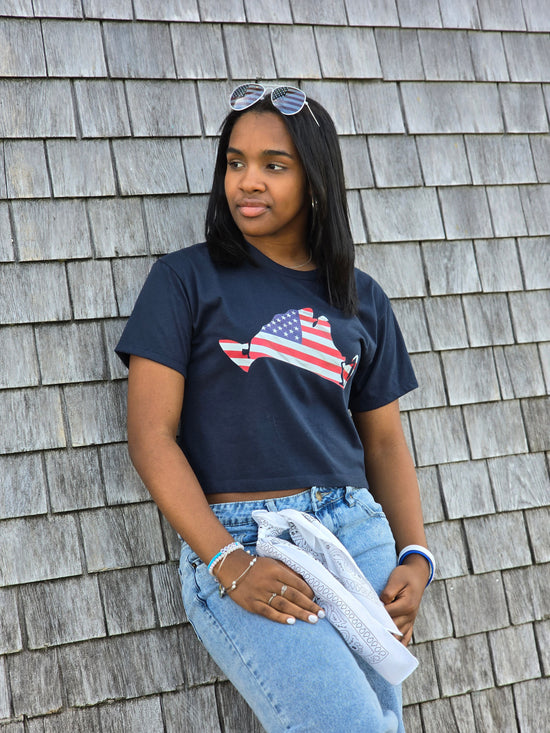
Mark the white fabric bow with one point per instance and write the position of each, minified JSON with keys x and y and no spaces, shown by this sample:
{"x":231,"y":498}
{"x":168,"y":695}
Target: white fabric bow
{"x":350,"y":602}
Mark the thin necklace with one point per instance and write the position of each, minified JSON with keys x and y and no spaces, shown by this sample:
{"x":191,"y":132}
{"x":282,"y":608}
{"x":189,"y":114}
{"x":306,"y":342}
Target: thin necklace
{"x":297,"y":267}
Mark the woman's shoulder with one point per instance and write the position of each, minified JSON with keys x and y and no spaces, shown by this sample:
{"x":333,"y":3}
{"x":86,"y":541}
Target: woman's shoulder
{"x":196,"y":255}
{"x":368,"y":288}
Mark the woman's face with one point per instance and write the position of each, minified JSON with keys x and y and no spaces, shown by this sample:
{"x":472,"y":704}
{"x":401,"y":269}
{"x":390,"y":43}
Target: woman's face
{"x":265,"y":182}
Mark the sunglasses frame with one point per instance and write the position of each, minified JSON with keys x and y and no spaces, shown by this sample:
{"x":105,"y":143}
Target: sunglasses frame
{"x":263,"y":90}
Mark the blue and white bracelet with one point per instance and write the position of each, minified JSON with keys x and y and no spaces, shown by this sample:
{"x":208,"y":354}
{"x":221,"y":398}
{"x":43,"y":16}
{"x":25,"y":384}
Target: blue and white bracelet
{"x":222,"y":554}
{"x":418,"y":550}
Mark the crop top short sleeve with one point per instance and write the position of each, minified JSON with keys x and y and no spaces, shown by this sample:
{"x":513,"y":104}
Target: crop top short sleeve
{"x":272,"y":371}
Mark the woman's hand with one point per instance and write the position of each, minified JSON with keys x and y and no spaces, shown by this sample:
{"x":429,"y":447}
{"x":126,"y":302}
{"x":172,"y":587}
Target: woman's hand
{"x":403,"y":593}
{"x":293,"y":597}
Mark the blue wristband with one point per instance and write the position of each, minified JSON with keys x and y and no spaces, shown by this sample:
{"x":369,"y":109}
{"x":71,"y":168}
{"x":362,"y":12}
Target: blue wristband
{"x":418,"y":550}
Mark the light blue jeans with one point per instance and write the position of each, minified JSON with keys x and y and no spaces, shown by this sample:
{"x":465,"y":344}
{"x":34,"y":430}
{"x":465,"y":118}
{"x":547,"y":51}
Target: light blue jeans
{"x":301,"y":678}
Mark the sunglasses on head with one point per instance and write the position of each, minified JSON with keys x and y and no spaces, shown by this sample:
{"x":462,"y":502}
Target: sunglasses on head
{"x":288,"y":100}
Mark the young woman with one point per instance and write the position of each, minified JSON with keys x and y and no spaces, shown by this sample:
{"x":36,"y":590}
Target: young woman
{"x":264,"y":373}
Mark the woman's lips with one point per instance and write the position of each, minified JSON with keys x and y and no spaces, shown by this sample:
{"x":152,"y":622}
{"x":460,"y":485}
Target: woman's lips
{"x":252,"y":209}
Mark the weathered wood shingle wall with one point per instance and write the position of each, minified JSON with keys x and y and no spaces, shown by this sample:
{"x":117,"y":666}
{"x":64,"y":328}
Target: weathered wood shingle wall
{"x":108,"y":117}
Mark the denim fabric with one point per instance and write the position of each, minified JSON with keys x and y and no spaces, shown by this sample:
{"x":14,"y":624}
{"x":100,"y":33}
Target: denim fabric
{"x":301,"y":678}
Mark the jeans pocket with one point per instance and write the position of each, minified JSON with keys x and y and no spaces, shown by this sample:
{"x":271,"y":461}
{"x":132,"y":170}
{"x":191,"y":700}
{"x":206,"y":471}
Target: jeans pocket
{"x":364,"y":499}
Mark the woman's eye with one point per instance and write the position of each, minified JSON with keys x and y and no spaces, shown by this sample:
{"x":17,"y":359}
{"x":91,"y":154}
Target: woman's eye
{"x":275,"y":166}
{"x":234,"y":164}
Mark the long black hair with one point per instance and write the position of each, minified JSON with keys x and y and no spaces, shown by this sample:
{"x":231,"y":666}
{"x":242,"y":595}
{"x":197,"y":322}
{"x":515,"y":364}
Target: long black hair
{"x":329,"y":237}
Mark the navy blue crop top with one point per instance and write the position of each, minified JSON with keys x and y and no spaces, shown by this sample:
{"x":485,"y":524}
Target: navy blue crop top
{"x":272,"y":371}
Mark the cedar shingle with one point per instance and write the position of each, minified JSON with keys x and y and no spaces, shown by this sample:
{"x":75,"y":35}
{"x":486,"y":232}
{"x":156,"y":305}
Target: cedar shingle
{"x":174,"y":222}
{"x":264,"y":11}
{"x":443,"y":160}
{"x":249,"y":47}
{"x":113,"y":331}
{"x":422,"y":685}
{"x":514,"y":654}
{"x":527,"y":55}
{"x":402,"y":214}
{"x":528,"y":697}
{"x":149,"y":166}
{"x":440,"y":715}
{"x":399,"y":53}
{"x":500,"y":159}
{"x":124,"y":46}
{"x":199,"y":53}
{"x":376,"y":107}
{"x":138,"y":716}
{"x":57,"y":8}
{"x":523,"y":108}
{"x":103,"y":669}
{"x":117,"y":227}
{"x":425,"y":16}
{"x":199,"y":155}
{"x":35,"y":682}
{"x":451,"y":268}
{"x":51,"y":230}
{"x":537,"y":15}
{"x":84,"y":720}
{"x":349,"y":53}
{"x":477,"y":603}
{"x":519,"y":481}
{"x":102,"y":108}
{"x":395,"y":161}
{"x":62,"y":611}
{"x":536,"y":204}
{"x":432,"y":508}
{"x":122,"y":483}
{"x":434,"y":618}
{"x":335,"y":97}
{"x":23,"y":486}
{"x":18,"y":361}
{"x":453,"y":659}
{"x":81,"y":168}
{"x":168,"y":10}
{"x":33,"y":420}
{"x":447,"y":107}
{"x":26,"y":169}
{"x":91,"y":285}
{"x":535,"y":260}
{"x":10,"y":630}
{"x":22,"y":52}
{"x":74,"y":479}
{"x":537,"y":523}
{"x":309,"y":11}
{"x":519,"y":371}
{"x":73,"y":48}
{"x":471,"y":376}
{"x":199,"y":666}
{"x":295,"y":51}
{"x":129,"y":275}
{"x":446,"y":538}
{"x":7,"y":253}
{"x":196,"y":711}
{"x":466,"y":489}
{"x":23,"y":559}
{"x":531,"y":315}
{"x":357,"y":225}
{"x":431,"y":391}
{"x":494,"y":710}
{"x":228,"y":11}
{"x":488,"y":56}
{"x":397,"y":267}
{"x":506,"y":211}
{"x":497,"y":542}
{"x":498,"y":15}
{"x":465,"y":15}
{"x":498,"y":264}
{"x":357,"y":167}
{"x":488,"y":319}
{"x":495,"y":429}
{"x":446,"y":55}
{"x":96,"y":412}
{"x":528,"y":593}
{"x":412,"y":320}
{"x":107,"y":9}
{"x":22,"y":8}
{"x":465,"y":212}
{"x":376,"y":12}
{"x":36,"y":108}
{"x":128,"y":600}
{"x":446,"y":322}
{"x":5,"y":710}
{"x":121,"y":537}
{"x":167,"y":590}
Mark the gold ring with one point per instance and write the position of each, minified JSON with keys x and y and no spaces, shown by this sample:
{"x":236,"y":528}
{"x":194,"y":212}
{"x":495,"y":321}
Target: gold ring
{"x":273,"y":595}
{"x":284,"y":589}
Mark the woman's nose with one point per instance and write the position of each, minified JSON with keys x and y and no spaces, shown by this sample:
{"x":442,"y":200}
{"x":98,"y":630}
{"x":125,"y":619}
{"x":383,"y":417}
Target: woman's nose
{"x":251,"y":180}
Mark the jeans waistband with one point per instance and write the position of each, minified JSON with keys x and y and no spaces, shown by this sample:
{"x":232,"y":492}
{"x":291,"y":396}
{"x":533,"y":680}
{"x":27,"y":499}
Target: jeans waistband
{"x":311,"y":500}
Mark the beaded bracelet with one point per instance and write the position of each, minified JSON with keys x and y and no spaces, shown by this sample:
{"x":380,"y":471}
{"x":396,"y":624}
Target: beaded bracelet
{"x":222,"y":554}
{"x":418,"y":550}
{"x":225,"y":591}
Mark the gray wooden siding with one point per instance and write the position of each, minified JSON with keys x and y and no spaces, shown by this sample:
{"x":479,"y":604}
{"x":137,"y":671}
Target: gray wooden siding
{"x":108,"y":119}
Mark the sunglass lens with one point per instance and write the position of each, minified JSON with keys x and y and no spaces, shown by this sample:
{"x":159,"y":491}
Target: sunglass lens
{"x":288,"y":100}
{"x":245,"y":96}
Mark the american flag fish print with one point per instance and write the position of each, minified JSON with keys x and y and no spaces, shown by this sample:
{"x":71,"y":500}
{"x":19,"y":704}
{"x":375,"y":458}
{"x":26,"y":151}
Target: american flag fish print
{"x":298,"y":338}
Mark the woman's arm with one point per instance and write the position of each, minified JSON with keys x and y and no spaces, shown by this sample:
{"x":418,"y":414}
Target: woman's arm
{"x":155,"y":398}
{"x":392,"y":480}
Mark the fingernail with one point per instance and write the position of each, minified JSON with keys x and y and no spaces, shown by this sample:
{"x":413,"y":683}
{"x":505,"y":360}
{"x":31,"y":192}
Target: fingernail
{"x":312,"y":619}
{"x":290,"y":620}
{"x":321,"y":614}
